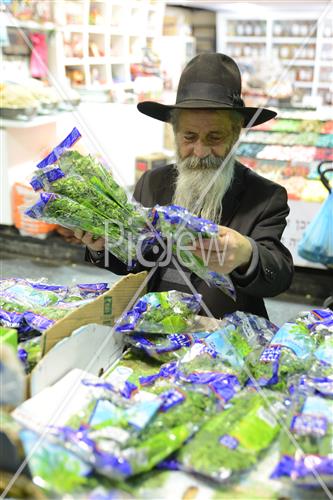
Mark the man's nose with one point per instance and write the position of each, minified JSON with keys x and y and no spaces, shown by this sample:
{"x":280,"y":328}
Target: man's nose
{"x":201,"y":150}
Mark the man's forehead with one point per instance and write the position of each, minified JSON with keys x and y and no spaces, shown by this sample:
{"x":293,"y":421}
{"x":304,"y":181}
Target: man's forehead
{"x":194,"y":118}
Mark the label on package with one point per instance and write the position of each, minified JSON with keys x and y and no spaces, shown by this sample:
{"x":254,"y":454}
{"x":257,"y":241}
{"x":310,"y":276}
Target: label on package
{"x":295,"y":337}
{"x":171,"y":398}
{"x":229,"y":441}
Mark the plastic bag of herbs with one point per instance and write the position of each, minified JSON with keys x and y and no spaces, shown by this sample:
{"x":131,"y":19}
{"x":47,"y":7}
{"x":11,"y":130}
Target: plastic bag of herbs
{"x":291,"y":349}
{"x":79,"y":193}
{"x":233,"y":441}
{"x":259,"y":331}
{"x":28,"y":305}
{"x":306,"y":449}
{"x":137,"y":376}
{"x":319,"y":377}
{"x":161,"y":313}
{"x":222,"y":353}
{"x":183,"y":228}
{"x":115,"y":440}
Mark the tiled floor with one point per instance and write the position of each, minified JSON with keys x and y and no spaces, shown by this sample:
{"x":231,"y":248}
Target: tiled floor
{"x":279,"y":309}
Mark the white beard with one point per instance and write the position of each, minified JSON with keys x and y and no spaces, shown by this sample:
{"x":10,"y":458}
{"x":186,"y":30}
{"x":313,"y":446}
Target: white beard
{"x":202,"y":184}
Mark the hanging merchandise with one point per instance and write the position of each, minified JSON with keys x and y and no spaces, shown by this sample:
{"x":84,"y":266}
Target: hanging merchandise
{"x":317,"y":242}
{"x":39,"y":55}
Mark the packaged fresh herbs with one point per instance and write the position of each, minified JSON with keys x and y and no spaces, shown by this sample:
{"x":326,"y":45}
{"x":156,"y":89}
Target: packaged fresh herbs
{"x":307,"y":460}
{"x":80,"y":193}
{"x":164,"y":347}
{"x":161,"y":312}
{"x":224,"y":351}
{"x":233,"y":440}
{"x":28,"y":305}
{"x":184,"y":228}
{"x":291,"y":349}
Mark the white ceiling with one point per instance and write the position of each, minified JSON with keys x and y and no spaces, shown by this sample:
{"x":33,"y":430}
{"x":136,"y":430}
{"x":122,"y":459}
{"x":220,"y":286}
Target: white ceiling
{"x":277,"y":6}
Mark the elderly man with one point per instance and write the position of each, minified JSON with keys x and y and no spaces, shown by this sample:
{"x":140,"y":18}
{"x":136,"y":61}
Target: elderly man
{"x":250,"y":210}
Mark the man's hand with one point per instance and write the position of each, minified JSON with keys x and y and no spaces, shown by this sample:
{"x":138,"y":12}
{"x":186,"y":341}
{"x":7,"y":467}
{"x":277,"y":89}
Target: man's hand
{"x":97,"y":245}
{"x":229,"y":251}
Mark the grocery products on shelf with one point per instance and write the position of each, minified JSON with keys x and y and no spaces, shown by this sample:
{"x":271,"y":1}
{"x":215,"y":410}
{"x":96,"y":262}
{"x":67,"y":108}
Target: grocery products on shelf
{"x":288,"y":149}
{"x":32,"y":97}
{"x":294,"y":53}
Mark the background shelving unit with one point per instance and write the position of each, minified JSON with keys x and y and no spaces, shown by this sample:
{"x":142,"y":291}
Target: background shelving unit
{"x":302,"y":46}
{"x":111,"y":36}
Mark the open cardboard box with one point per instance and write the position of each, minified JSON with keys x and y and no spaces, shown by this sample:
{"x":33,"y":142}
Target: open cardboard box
{"x":102,"y":311}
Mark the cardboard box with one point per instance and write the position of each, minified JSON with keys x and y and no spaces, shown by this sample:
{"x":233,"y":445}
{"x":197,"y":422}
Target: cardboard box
{"x":104,"y":310}
{"x":92,"y":348}
{"x":148,"y":162}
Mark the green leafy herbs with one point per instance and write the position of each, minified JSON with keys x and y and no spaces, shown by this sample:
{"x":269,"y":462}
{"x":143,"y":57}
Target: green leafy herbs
{"x":196,"y":408}
{"x":233,"y":440}
{"x":85,"y":196}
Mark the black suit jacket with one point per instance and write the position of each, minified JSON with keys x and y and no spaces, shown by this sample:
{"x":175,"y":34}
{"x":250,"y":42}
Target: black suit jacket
{"x":253,"y":206}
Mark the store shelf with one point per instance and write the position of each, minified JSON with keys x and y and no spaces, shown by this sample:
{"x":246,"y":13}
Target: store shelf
{"x":34,"y":122}
{"x":326,"y":63}
{"x":326,"y":40}
{"x":92,"y":28}
{"x":98,"y":60}
{"x":303,"y":85}
{"x":30,"y":25}
{"x":298,"y":62}
{"x":247,"y":39}
{"x":71,"y":28}
{"x":111,"y":30}
{"x":295,"y":40}
{"x":72,"y":61}
{"x":298,"y":41}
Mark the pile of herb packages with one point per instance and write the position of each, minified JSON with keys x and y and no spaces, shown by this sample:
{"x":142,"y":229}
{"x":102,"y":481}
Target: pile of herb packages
{"x":306,"y":458}
{"x":123,"y":432}
{"x":31,"y":308}
{"x":79,"y":193}
{"x":202,"y":413}
{"x":184,"y":228}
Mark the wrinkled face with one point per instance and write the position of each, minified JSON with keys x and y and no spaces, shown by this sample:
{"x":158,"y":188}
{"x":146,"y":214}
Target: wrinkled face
{"x":201,"y":133}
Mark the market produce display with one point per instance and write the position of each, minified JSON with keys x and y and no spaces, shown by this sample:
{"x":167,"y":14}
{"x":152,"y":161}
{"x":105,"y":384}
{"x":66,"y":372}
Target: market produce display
{"x":33,"y":96}
{"x":203,"y":412}
{"x":28,"y":309}
{"x":287,"y":151}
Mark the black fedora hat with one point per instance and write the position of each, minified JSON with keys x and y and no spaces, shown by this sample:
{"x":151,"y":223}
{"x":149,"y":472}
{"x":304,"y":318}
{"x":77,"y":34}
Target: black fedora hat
{"x":209,"y":81}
